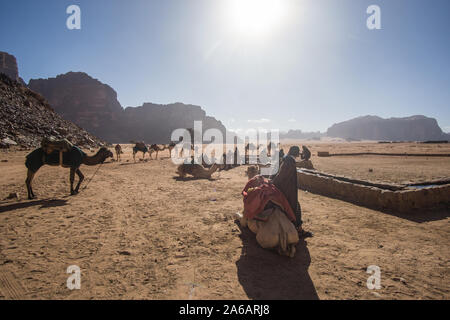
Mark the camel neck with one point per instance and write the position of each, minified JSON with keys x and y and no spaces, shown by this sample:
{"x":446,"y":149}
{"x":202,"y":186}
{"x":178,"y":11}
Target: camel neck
{"x":92,"y":160}
{"x":213,"y":169}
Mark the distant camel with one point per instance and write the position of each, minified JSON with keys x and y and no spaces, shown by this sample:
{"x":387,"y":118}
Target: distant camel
{"x":119,"y":151}
{"x":170,"y":146}
{"x":155,"y":148}
{"x":140,"y":146}
{"x":248,"y":147}
{"x":270,"y":146}
{"x":72,"y":159}
{"x":196,"y":170}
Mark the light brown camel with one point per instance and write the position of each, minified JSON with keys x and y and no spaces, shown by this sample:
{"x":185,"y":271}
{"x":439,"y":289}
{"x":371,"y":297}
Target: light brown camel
{"x":196,"y":170}
{"x":72,"y":159}
{"x":155,"y":148}
{"x":119,"y":151}
{"x":277,"y":232}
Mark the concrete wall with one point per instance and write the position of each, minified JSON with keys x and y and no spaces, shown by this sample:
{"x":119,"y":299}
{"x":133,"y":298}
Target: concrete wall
{"x":373,"y":197}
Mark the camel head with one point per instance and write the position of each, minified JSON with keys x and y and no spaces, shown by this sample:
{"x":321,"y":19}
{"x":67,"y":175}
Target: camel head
{"x":216,"y":167}
{"x":252,"y":171}
{"x":104,"y":154}
{"x":155,"y":147}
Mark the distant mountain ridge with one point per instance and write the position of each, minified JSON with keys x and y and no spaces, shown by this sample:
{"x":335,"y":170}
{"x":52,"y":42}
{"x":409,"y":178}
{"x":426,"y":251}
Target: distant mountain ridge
{"x":299,"y":134}
{"x":93,"y":105}
{"x":413,"y":128}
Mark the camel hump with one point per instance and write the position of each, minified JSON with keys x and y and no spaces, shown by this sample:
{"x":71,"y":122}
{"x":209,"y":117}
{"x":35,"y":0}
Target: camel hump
{"x":50,"y":145}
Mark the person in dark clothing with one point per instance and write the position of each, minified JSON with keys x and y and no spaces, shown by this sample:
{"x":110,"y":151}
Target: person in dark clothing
{"x":286,"y":181}
{"x":306,"y":154}
{"x":281,"y":156}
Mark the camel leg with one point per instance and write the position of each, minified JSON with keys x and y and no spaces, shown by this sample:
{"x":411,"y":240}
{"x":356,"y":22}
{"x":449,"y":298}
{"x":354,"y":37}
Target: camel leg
{"x":28,"y":181}
{"x":156,"y":155}
{"x":80,"y":179}
{"x":72,"y":179}
{"x":134,"y":157}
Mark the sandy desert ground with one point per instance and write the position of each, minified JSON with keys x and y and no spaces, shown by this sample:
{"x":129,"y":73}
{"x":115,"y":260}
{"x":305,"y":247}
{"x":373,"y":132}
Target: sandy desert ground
{"x":138,"y":232}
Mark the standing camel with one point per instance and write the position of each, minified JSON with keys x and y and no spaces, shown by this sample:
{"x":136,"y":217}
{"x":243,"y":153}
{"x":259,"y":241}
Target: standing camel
{"x":170,"y":146}
{"x":140,"y":146}
{"x":119,"y":151}
{"x":155,"y":148}
{"x":72,"y":159}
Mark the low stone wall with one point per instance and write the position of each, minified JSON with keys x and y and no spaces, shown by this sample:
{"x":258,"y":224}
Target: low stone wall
{"x":373,"y":197}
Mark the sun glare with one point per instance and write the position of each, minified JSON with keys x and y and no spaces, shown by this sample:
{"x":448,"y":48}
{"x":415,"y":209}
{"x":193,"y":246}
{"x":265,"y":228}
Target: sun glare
{"x":256,"y":17}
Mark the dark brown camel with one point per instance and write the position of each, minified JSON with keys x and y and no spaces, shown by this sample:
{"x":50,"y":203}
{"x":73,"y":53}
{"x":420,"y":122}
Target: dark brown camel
{"x":119,"y":151}
{"x":139,"y":146}
{"x":72,"y":159}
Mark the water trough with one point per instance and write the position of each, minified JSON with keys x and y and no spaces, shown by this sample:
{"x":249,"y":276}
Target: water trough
{"x":383,"y":196}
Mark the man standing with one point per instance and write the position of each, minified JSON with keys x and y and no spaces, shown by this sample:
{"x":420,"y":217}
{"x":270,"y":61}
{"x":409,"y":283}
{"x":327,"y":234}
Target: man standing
{"x":306,"y":154}
{"x":286,"y":181}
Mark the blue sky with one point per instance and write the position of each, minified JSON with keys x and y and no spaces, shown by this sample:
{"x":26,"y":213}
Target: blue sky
{"x":306,"y":65}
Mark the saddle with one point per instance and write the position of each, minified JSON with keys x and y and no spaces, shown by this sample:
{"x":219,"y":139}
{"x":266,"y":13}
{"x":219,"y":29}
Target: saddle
{"x":51,"y":145}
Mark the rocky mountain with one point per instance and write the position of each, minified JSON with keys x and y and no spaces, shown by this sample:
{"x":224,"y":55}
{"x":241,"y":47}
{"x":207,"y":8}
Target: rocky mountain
{"x":299,"y":134}
{"x":8,"y":66}
{"x":94,"y":106}
{"x":26,"y":117}
{"x":414,"y":128}
{"x":155,"y":122}
{"x":83,"y":100}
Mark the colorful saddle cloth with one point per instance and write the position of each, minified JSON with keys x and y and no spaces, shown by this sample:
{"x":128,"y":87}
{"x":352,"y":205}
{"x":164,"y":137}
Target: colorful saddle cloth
{"x":257,"y":193}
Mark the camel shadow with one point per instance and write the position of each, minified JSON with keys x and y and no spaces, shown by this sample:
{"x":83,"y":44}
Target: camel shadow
{"x":130,"y":163}
{"x":265,"y":275}
{"x":177,"y":178}
{"x":46,"y":203}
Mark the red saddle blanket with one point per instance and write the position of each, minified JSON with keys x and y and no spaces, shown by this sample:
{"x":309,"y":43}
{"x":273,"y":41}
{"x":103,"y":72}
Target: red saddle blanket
{"x":258,"y":192}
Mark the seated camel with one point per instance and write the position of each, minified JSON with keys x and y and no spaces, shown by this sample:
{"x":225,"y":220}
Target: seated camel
{"x":267,"y":209}
{"x":196,"y":170}
{"x":276,"y":232}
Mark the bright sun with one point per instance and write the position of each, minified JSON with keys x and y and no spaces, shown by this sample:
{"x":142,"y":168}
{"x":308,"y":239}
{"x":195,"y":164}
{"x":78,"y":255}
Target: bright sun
{"x":256,"y":17}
